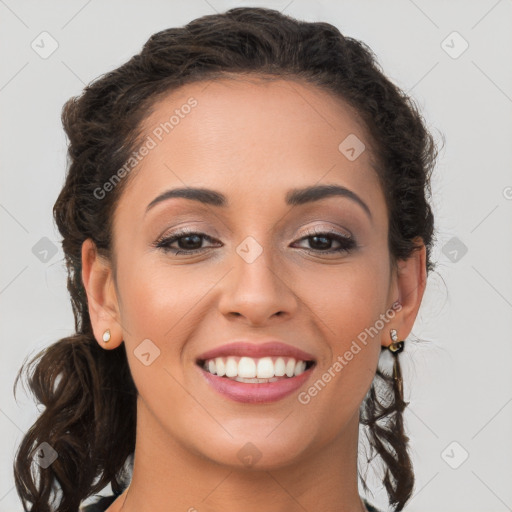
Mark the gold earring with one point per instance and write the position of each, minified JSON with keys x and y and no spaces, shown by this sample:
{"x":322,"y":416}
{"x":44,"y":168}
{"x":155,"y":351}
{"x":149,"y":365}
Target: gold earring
{"x":396,"y":346}
{"x":106,"y":336}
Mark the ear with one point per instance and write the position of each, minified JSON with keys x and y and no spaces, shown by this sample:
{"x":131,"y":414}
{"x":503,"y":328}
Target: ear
{"x":101,"y":296}
{"x":408,"y":289}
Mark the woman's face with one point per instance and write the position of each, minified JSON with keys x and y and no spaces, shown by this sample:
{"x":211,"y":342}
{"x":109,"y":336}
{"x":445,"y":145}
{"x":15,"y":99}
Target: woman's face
{"x":256,"y":272}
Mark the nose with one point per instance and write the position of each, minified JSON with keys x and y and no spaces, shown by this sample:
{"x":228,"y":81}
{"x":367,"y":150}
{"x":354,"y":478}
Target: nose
{"x":258,"y":291}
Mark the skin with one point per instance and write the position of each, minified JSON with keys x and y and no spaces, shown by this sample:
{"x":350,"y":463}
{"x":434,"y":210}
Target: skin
{"x":252,"y":141}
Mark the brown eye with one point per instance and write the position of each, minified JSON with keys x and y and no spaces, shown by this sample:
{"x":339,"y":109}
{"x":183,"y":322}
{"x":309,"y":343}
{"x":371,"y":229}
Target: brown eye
{"x":187,"y":242}
{"x":322,"y":242}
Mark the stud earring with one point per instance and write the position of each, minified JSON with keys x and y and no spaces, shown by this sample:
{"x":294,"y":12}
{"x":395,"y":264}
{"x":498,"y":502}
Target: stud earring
{"x":106,"y":336}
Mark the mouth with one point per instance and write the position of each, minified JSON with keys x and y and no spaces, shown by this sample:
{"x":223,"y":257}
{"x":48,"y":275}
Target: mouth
{"x":255,"y":370}
{"x":255,"y":380}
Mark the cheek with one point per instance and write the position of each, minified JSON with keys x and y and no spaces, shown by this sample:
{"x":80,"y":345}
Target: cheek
{"x":155,"y":298}
{"x":347,"y":298}
{"x":157,"y":314}
{"x":350,"y":308}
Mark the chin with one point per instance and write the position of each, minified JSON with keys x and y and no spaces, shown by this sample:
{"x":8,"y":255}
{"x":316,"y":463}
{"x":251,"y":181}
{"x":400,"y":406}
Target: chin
{"x":258,"y":449}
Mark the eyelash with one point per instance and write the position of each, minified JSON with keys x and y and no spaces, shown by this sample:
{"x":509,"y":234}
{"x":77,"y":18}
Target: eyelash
{"x":347,"y":243}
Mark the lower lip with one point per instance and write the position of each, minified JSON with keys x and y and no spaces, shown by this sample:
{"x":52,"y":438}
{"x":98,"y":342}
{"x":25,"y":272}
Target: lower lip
{"x":256,"y":393}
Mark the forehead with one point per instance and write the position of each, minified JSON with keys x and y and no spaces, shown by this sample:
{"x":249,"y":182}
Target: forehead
{"x":249,"y":137}
{"x":248,"y":112}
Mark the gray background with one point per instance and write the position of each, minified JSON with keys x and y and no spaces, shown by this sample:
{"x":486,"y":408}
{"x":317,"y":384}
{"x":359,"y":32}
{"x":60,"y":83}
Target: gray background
{"x":459,"y":382}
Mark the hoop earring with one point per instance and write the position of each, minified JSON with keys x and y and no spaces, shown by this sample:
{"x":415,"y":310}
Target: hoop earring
{"x":396,"y":347}
{"x":106,"y":336}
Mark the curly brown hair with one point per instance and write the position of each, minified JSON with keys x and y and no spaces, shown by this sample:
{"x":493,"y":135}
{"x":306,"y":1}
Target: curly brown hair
{"x":93,"y":431}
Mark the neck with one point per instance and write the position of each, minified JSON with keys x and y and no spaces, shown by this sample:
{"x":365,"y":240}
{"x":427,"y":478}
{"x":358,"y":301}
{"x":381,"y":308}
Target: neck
{"x":168,"y":477}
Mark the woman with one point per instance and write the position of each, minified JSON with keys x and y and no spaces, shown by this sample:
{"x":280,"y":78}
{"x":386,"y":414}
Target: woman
{"x":246,"y":227}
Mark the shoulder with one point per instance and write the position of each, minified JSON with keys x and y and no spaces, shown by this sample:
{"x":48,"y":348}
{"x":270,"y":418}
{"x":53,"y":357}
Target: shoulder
{"x":99,"y":505}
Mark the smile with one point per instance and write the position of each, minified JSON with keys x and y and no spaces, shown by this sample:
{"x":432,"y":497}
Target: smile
{"x":256,"y":369}
{"x":255,"y":380}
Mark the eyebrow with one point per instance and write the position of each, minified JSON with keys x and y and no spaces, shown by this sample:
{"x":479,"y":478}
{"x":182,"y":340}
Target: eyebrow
{"x":294,"y":197}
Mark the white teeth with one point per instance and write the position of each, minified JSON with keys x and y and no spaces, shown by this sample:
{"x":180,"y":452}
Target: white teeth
{"x":231,"y":368}
{"x":265,"y":368}
{"x":279,"y":367}
{"x":248,"y":369}
{"x":220,"y":367}
{"x":290,"y":368}
{"x":300,"y":366}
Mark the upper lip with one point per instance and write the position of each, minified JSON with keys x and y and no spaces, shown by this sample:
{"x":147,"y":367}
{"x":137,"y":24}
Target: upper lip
{"x":257,"y":349}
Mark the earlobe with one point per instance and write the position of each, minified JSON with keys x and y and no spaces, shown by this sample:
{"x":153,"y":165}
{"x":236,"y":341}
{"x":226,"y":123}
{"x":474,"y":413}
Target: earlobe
{"x":411,"y":281}
{"x":101,"y":296}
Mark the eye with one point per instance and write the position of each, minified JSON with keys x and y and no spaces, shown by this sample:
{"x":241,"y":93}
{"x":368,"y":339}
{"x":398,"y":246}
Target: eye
{"x":321,"y":242}
{"x":189,"y":242}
